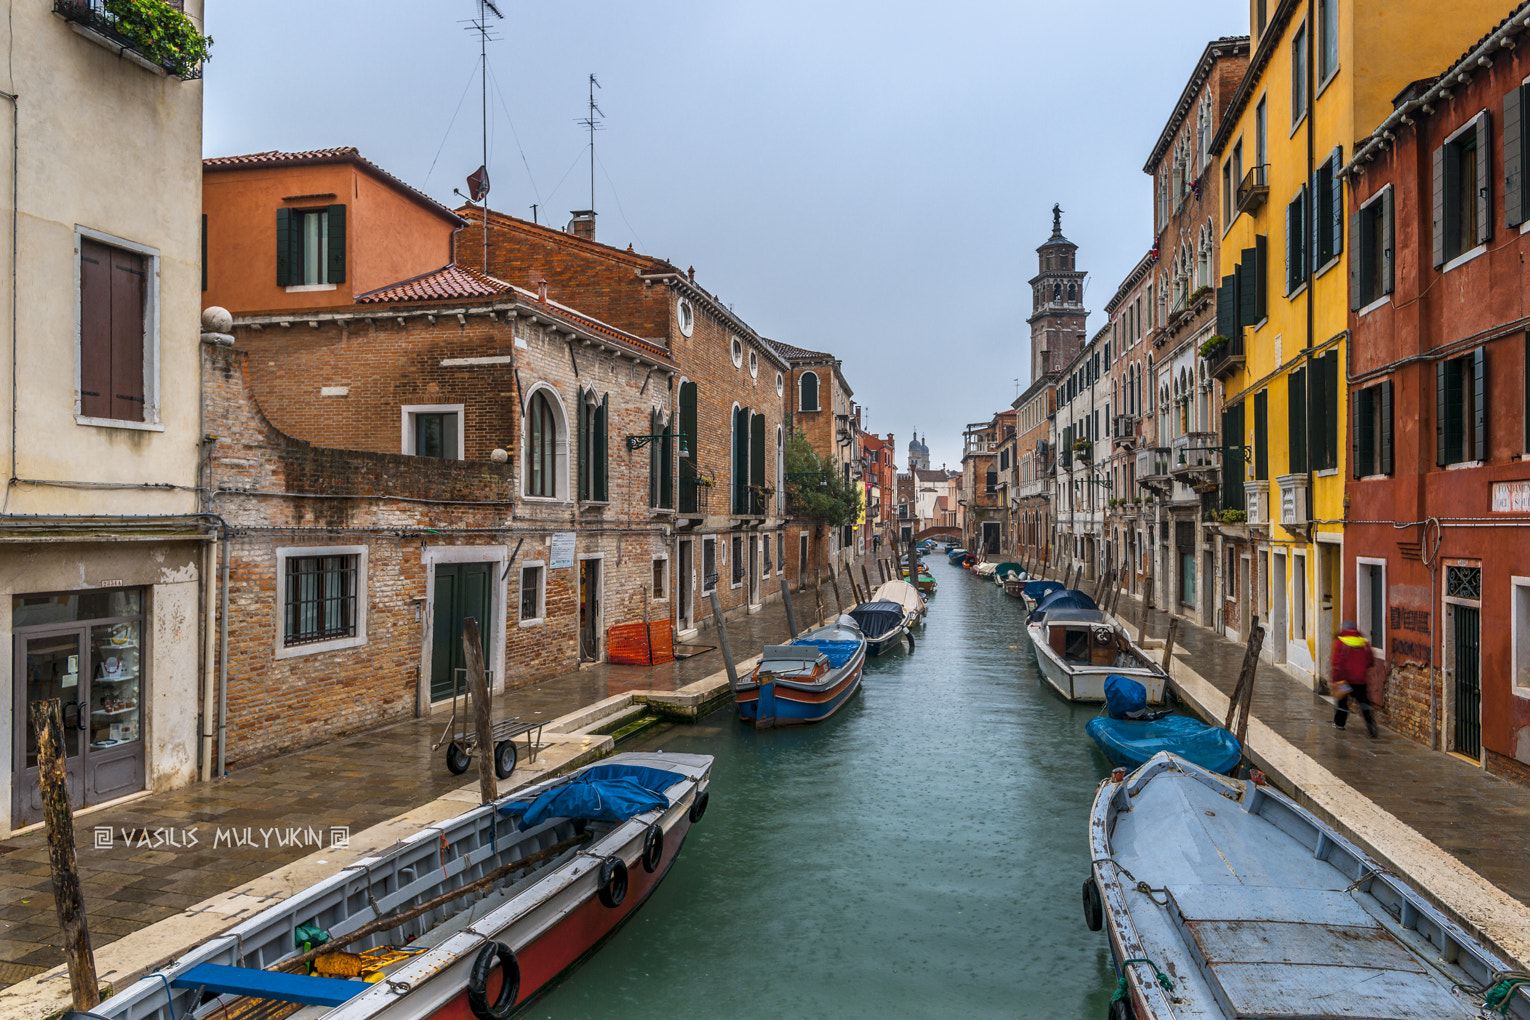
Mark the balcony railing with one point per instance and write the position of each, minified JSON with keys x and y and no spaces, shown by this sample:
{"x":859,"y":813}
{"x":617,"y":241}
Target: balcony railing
{"x":1195,"y":450}
{"x":1254,"y":189}
{"x":1152,"y":463}
{"x":92,"y":20}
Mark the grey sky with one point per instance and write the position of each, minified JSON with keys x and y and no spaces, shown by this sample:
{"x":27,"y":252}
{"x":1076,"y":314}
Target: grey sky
{"x":866,"y":178}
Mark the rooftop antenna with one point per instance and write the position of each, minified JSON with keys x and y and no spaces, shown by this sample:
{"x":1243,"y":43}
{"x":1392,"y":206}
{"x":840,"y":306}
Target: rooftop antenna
{"x":478,"y":183}
{"x":592,"y":122}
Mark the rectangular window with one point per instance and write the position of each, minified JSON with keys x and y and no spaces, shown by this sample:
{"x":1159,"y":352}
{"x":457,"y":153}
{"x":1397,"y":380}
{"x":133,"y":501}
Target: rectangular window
{"x":708,"y":565}
{"x":1296,"y":420}
{"x":310,"y":247}
{"x":115,"y":339}
{"x":765,"y":561}
{"x":1370,"y":257}
{"x":1261,"y":125}
{"x":737,"y":552}
{"x":533,"y":592}
{"x":1462,"y":191}
{"x":1323,"y":412}
{"x":1228,"y":184}
{"x":1460,"y":406}
{"x":660,"y":587}
{"x":321,"y":599}
{"x":1327,"y":210}
{"x":1299,"y":596}
{"x":1516,"y":155}
{"x":1296,"y":242}
{"x":1328,"y":39}
{"x":1520,"y":614}
{"x":802,"y":552}
{"x":1261,"y":435}
{"x":1299,"y":74}
{"x":1371,"y":431}
{"x":433,"y":430}
{"x":1371,"y":601}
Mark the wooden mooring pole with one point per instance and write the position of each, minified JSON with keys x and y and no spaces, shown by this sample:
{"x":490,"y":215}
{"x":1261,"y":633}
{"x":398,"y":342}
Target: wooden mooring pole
{"x":722,"y":640}
{"x":1168,"y":642}
{"x":1243,"y":692}
{"x":68,"y":898}
{"x":483,"y":709}
{"x":791,"y":617}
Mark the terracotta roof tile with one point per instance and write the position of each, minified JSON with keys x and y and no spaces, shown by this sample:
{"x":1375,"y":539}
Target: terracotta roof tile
{"x":451,"y":281}
{"x":339,"y":154}
{"x":791,"y":353}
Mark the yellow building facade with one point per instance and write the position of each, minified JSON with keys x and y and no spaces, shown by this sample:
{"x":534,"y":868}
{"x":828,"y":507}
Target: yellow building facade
{"x":1322,"y":73}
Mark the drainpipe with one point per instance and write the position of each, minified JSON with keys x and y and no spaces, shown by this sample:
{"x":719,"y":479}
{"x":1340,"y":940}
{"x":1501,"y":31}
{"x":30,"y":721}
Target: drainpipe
{"x":1311,"y":560}
{"x":15,"y":269}
{"x":223,"y":656}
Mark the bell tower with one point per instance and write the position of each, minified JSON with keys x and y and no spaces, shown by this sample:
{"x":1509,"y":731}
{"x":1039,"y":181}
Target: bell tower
{"x":1057,"y":303}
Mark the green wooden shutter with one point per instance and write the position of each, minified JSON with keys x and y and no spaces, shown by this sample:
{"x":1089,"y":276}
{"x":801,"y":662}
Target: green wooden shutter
{"x":1357,"y":262}
{"x":1384,"y":426}
{"x":1455,"y":412}
{"x":1296,"y":419}
{"x":204,"y":251}
{"x":1262,"y":435}
{"x":1362,"y":436}
{"x":1513,"y":156}
{"x":691,"y":445}
{"x":667,"y":470}
{"x":582,"y":454}
{"x":335,"y":271}
{"x":1331,"y":420}
{"x":284,"y":247}
{"x":757,"y":462}
{"x":1227,"y":309}
{"x":1293,"y":229}
{"x":1232,"y":458}
{"x":1336,"y":198}
{"x":1386,"y":253}
{"x":1479,"y":404}
{"x":655,"y":451}
{"x":1440,"y":453}
{"x":1484,"y":182}
{"x":1261,"y":276}
{"x":1246,"y":288}
{"x":1439,"y":208}
{"x":602,"y":449}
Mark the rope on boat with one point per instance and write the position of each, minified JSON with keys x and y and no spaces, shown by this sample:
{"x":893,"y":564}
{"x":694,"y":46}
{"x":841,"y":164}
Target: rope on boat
{"x":1499,"y":996}
{"x":1163,"y":979}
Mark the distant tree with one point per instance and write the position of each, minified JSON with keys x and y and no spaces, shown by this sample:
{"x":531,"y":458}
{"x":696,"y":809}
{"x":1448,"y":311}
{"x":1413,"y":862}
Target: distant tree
{"x":815,"y":490}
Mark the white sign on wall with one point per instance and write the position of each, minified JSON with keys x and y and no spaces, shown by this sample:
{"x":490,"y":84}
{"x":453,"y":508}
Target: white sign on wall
{"x":562,"y":550}
{"x":1511,"y":497}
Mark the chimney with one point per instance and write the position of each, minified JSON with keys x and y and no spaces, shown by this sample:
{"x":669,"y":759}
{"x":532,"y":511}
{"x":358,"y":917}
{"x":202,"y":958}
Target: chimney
{"x":542,"y":291}
{"x":582,"y":224}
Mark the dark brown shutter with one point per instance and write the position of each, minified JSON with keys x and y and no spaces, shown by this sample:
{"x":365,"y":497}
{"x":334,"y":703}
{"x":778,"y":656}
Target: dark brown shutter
{"x":1296,"y":419}
{"x":1439,"y":207}
{"x":1479,"y":404}
{"x":95,"y":330}
{"x":1484,"y":182}
{"x":284,"y":235}
{"x":1384,"y":426}
{"x":1513,"y":156}
{"x":127,"y":335}
{"x":335,"y":271}
{"x":1357,"y":263}
{"x":1441,"y":455}
{"x":1388,"y":260}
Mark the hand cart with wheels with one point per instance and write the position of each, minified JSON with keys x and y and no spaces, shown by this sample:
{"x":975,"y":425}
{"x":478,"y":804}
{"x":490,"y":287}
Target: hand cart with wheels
{"x":461,"y":744}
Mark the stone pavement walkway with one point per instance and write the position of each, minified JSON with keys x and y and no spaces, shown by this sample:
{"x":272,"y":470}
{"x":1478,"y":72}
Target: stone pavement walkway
{"x":353,"y":782}
{"x":1479,"y":819}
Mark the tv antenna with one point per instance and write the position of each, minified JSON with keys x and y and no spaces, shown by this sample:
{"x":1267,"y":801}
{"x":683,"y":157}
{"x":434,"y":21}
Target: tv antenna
{"x":592,"y":122}
{"x":478,"y":183}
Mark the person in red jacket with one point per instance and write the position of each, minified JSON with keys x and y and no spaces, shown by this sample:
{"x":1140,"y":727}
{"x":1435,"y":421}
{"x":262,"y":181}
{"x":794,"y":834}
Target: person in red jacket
{"x":1352,"y":660}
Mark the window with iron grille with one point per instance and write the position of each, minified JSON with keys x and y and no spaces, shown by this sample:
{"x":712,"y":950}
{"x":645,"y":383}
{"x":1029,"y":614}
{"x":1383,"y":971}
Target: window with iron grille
{"x":320,"y":603}
{"x":737,"y":552}
{"x":1463,"y":582}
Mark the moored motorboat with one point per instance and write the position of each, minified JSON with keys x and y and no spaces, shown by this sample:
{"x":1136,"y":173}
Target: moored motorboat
{"x":884,"y":624}
{"x":806,"y":681}
{"x":1006,"y":571}
{"x":1131,"y":742}
{"x":1034,"y":591}
{"x":984,"y":568}
{"x":906,"y":595}
{"x":515,"y":894}
{"x":1224,"y":898}
{"x":1077,"y":647}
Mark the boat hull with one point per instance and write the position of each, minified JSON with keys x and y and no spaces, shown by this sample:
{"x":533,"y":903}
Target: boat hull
{"x":886,"y":642}
{"x":789,"y":706}
{"x":1086,"y":683}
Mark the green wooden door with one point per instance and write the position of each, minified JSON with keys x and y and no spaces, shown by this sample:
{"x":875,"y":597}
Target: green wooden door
{"x":461,"y":590}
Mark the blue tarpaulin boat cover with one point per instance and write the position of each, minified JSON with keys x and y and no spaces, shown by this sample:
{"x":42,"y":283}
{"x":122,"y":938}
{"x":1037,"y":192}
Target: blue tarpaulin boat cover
{"x":1039,"y":589}
{"x":609,"y":793}
{"x":1062,"y":598}
{"x":1130,"y":742}
{"x":839,"y":652}
{"x":1125,"y":698}
{"x":877,"y":618}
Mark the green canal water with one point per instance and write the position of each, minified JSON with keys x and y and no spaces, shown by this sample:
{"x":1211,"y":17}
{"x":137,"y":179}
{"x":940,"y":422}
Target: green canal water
{"x":918,"y":855}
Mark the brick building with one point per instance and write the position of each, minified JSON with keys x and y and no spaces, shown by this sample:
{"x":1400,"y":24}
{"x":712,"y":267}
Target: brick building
{"x":1439,"y":403}
{"x":981,"y":497}
{"x":1033,"y":486}
{"x":1131,"y":517}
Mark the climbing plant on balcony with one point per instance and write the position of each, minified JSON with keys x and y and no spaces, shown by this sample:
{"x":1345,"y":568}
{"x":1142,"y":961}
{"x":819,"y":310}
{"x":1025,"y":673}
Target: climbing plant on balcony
{"x":815,"y":490}
{"x":161,"y":34}
{"x":1214,"y":346}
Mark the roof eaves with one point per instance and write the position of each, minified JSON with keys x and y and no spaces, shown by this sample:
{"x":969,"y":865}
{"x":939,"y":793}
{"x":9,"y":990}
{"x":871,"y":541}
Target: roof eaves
{"x":1217,"y":49}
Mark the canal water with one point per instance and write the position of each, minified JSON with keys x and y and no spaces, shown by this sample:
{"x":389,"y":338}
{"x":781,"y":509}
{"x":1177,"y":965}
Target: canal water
{"x":920,"y":854}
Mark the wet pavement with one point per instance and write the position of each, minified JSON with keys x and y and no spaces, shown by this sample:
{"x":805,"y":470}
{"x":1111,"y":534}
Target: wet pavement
{"x":243,"y":821}
{"x":1479,"y":819}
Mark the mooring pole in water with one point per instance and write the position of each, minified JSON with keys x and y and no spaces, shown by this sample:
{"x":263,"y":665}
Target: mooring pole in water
{"x":483,"y":709}
{"x":1243,"y":693}
{"x":866,"y":576}
{"x":722,"y":640}
{"x":791,"y":617}
{"x":1168,"y":643}
{"x":68,"y":899}
{"x":1147,"y":604}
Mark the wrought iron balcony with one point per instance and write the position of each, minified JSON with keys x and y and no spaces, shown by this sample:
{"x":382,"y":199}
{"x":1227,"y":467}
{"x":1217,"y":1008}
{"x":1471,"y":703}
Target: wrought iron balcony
{"x":1254,"y":189}
{"x":130,"y":39}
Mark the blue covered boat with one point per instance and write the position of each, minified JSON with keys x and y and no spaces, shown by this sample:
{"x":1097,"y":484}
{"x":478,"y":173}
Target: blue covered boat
{"x":1034,"y":591}
{"x":884,"y":624}
{"x":1225,"y":899}
{"x":1131,"y":742}
{"x":806,"y":681}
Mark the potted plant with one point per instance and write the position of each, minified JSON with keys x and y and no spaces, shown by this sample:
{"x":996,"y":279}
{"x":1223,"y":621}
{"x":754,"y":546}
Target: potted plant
{"x":160,"y":33}
{"x":1234,"y":516}
{"x":1214,"y":346}
{"x":704,"y":482}
{"x":1200,"y":292}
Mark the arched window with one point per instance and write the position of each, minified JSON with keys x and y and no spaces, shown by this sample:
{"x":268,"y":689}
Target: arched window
{"x":1072,"y":293}
{"x":740,"y":477}
{"x":809,"y":386}
{"x":593,"y":444}
{"x":1057,"y":292}
{"x":780,"y":471}
{"x":546,"y":445}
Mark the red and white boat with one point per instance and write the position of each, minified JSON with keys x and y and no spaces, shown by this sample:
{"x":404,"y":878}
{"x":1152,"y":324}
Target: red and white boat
{"x":541,"y":897}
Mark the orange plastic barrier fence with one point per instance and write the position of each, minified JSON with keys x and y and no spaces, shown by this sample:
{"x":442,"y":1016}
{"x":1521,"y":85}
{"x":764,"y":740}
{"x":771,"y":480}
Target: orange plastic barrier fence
{"x":627,"y":646}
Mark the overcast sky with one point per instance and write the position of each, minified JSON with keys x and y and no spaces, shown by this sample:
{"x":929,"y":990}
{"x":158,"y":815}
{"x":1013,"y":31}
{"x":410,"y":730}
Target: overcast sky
{"x":866,"y":178}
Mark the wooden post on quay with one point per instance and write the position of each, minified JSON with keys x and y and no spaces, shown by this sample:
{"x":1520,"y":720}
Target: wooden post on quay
{"x":791,"y":617}
{"x":722,"y":640}
{"x":1243,"y":693}
{"x":68,"y":899}
{"x":1168,"y":642}
{"x":866,"y":576}
{"x":483,"y":721}
{"x":855,"y":589}
{"x":834,"y":590}
{"x":1147,"y":604}
{"x":818,"y":598}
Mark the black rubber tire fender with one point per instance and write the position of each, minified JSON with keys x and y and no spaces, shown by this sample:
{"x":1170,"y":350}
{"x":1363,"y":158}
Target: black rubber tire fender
{"x":653,"y":847}
{"x":613,"y":881}
{"x":494,"y":954}
{"x":504,"y":758}
{"x":699,"y":805}
{"x":1121,"y":1009}
{"x":457,"y":759}
{"x":1094,"y":906}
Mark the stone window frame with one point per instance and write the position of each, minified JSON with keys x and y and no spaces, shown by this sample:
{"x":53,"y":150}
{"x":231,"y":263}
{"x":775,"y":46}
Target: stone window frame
{"x":540,"y":566}
{"x":653,"y":594}
{"x":1363,"y":605}
{"x":685,"y":316}
{"x":561,"y":465}
{"x":407,"y":414}
{"x":283,"y":554}
{"x":152,"y":421}
{"x":1519,"y":588}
